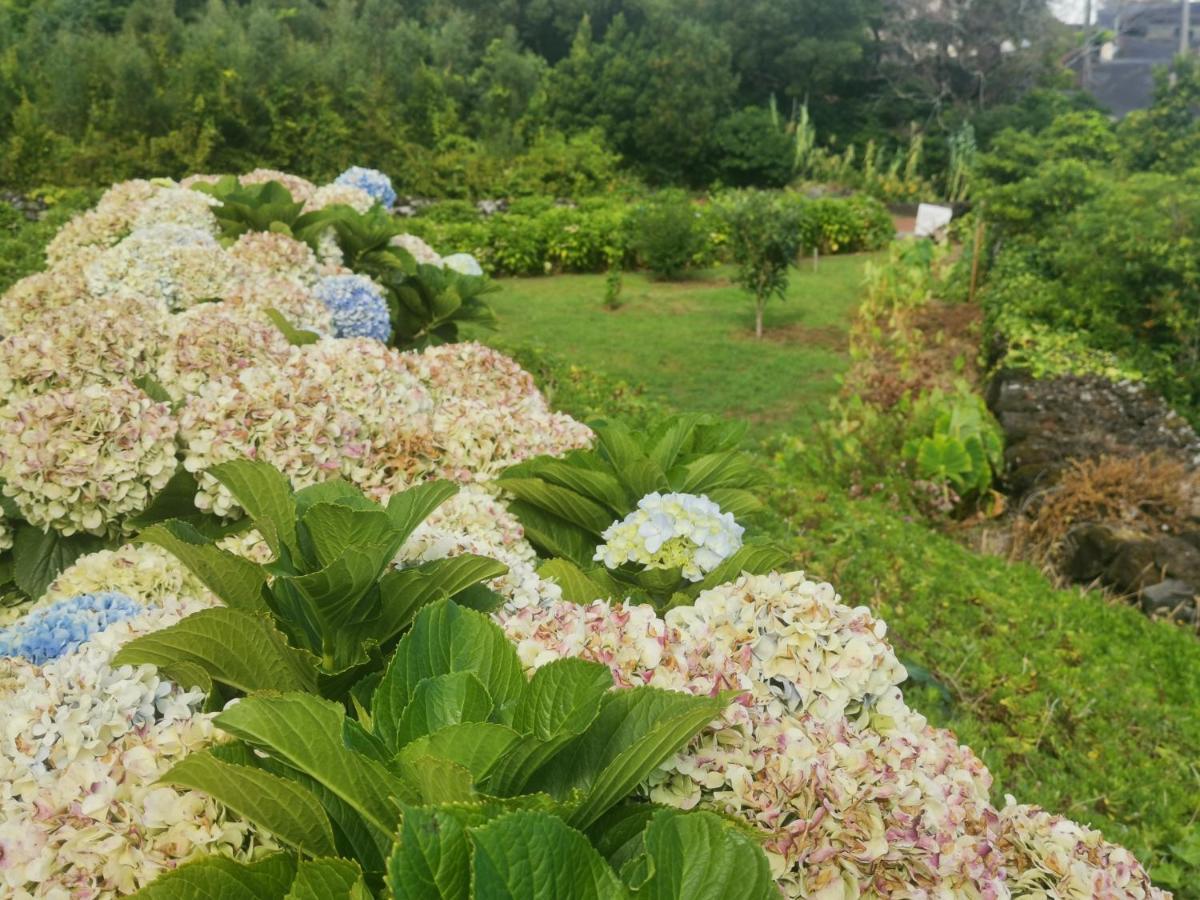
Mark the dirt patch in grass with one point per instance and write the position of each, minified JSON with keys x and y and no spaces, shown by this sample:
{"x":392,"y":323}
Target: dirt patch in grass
{"x":827,"y":337}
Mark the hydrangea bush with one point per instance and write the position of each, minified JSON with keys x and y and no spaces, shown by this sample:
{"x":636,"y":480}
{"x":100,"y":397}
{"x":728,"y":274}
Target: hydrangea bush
{"x":814,"y":750}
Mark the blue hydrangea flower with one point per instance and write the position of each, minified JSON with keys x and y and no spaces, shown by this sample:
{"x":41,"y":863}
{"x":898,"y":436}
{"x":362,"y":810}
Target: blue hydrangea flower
{"x":372,"y":181}
{"x":51,"y":631}
{"x":358,"y":306}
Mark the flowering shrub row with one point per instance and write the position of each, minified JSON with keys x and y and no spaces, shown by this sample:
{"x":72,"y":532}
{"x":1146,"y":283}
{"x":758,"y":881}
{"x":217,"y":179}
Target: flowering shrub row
{"x":539,"y":238}
{"x":769,"y":700}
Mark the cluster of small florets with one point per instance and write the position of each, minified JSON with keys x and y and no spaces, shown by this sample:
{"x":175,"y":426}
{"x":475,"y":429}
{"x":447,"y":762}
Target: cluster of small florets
{"x":104,"y":224}
{"x":468,"y":383}
{"x":178,"y":206}
{"x":370,"y":181}
{"x":339,"y":195}
{"x":145,"y":572}
{"x":357,"y":305}
{"x":49,"y":632}
{"x":216,"y":340}
{"x":855,"y":795}
{"x":26,"y":301}
{"x":672,"y":531}
{"x":293,"y":300}
{"x":80,"y":460}
{"x":173,"y":264}
{"x":109,"y":341}
{"x":331,"y":410}
{"x":277,"y":254}
{"x":419,"y":250}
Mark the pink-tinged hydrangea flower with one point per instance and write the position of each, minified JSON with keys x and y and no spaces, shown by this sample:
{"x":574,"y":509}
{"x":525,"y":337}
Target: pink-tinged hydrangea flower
{"x":339,"y":195}
{"x":336,"y":408}
{"x":80,"y":460}
{"x":82,"y":813}
{"x":854,"y":793}
{"x":473,"y":521}
{"x":469,"y":383}
{"x":149,"y":574}
{"x":178,"y":206}
{"x":420,"y":250}
{"x":103,"y":225}
{"x":277,"y":254}
{"x":300,"y":188}
{"x":292,"y":299}
{"x":101,"y":342}
{"x":329,"y":254}
{"x":173,"y":264}
{"x":215,"y":340}
{"x":26,"y":301}
{"x":1049,"y":856}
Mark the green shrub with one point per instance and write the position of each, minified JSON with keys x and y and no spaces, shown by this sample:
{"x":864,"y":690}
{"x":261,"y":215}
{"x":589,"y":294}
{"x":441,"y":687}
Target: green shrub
{"x":962,"y":450}
{"x":753,"y":151}
{"x":665,"y":235}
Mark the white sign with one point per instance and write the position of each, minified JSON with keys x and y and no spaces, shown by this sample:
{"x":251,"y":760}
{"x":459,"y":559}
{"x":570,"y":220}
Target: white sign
{"x":931,"y":219}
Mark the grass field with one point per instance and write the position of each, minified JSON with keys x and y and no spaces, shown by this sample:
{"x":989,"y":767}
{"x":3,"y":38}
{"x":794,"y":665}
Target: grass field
{"x":692,"y":344}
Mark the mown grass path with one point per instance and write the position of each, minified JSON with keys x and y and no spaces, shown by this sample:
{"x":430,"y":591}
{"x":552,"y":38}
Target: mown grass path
{"x":691,"y":343}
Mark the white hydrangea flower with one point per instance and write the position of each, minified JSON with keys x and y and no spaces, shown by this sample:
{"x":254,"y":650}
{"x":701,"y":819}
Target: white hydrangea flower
{"x":420,"y":250}
{"x":145,"y":572}
{"x":301,"y":189}
{"x":173,"y":264}
{"x":178,"y":206}
{"x":463,"y":264}
{"x":669,"y":531}
{"x":29,"y":299}
{"x":297,"y":303}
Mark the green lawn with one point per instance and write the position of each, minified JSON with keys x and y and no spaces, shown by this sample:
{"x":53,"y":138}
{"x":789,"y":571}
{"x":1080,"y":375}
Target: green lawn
{"x":691,"y":343}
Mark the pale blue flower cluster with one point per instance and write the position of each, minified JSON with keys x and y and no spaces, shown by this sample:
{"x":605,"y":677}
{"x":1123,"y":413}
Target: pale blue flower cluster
{"x":372,"y":181}
{"x":51,"y":631}
{"x":358,"y":306}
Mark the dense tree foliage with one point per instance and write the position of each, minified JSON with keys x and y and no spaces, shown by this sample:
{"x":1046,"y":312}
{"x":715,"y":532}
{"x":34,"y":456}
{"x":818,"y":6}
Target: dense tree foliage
{"x":463,"y":96}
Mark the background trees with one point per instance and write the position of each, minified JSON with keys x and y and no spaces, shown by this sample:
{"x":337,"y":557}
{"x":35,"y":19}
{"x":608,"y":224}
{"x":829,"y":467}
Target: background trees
{"x":97,"y":90}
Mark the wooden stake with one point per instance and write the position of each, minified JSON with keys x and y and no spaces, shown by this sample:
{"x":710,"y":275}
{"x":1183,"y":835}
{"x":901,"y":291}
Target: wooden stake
{"x":975,"y":254}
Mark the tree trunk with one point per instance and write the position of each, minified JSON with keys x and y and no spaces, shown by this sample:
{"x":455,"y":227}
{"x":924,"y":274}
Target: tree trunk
{"x":758,"y":317}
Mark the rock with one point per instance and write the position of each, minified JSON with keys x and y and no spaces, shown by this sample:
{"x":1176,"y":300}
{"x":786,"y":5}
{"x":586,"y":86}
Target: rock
{"x":1170,"y":596}
{"x":1089,"y":550}
{"x":1142,"y":563}
{"x":1050,"y":422}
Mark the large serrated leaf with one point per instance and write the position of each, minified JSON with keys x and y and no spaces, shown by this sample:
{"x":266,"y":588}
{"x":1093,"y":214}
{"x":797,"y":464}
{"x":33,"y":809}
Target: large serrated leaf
{"x":699,"y":856}
{"x":562,"y":701}
{"x":636,"y":731}
{"x":410,"y":508}
{"x":476,"y":746}
{"x":266,"y":495}
{"x":338,"y":596}
{"x":237,"y":581}
{"x":446,"y":638}
{"x":432,"y":857}
{"x":601,"y":487}
{"x":40,"y":556}
{"x":212,"y":877}
{"x":552,"y":536}
{"x":440,"y":701}
{"x":562,"y":502}
{"x":305,"y":733}
{"x":577,"y":586}
{"x":333,"y":528}
{"x":536,"y":856}
{"x":404,"y":592}
{"x":328,"y":879}
{"x":238,"y":649}
{"x":276,"y":804}
{"x":706,"y":472}
{"x":757,"y":559}
{"x":435,"y":779}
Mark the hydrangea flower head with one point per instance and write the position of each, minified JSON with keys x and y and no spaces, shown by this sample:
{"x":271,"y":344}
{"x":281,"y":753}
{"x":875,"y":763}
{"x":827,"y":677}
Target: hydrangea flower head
{"x":51,"y":631}
{"x":374,"y":182}
{"x":670,"y":531}
{"x":358,"y":306}
{"x":463,"y":264}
